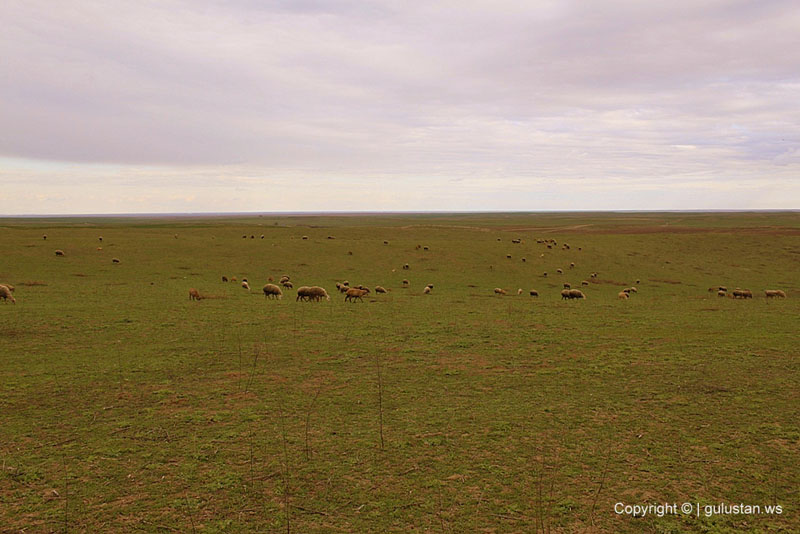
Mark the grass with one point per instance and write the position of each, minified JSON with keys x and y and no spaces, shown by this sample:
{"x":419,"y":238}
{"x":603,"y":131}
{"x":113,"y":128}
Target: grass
{"x":126,"y":407}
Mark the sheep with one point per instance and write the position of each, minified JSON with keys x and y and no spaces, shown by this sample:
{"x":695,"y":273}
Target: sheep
{"x":272,"y":291}
{"x":593,"y":275}
{"x":517,"y":241}
{"x":194,"y":294}
{"x":584,"y":282}
{"x":287,"y":285}
{"x":44,"y":237}
{"x":418,"y":247}
{"x":772,"y":293}
{"x":544,"y":274}
{"x":9,"y":286}
{"x":224,"y":278}
{"x":560,"y":271}
{"x":318,"y":293}
{"x":534,"y":293}
{"x":427,"y":290}
{"x":722,"y":294}
{"x":638,"y":281}
{"x":405,"y":282}
{"x":425,"y":248}
{"x":303,"y":293}
{"x":380,"y":289}
{"x":100,"y":238}
{"x":352,"y":294}
{"x":234,"y":279}
{"x":99,"y":248}
{"x":565,"y":294}
{"x":59,"y":252}
{"x":524,"y":260}
{"x":430,"y":286}
{"x":572,"y":265}
{"x":5,"y":294}
{"x":742,"y":293}
{"x":576,"y":294}
{"x":114,"y":260}
{"x":244,"y":237}
{"x":406,"y":267}
{"x":245,"y":285}
{"x":244,"y":279}
{"x":305,"y":237}
{"x":622,"y":295}
{"x":626,"y":290}
{"x":284,"y":278}
{"x":262,"y":236}
{"x":566,"y":285}
{"x":549,"y":246}
{"x":349,"y":252}
{"x":633,"y":289}
{"x":519,"y":292}
{"x":508,"y":256}
{"x":331,"y":237}
{"x":385,"y":242}
{"x":498,"y":291}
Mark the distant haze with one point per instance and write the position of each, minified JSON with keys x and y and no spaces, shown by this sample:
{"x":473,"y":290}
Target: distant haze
{"x":314,"y":105}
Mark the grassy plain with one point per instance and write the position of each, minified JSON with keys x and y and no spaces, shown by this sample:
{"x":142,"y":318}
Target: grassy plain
{"x":124,"y":407}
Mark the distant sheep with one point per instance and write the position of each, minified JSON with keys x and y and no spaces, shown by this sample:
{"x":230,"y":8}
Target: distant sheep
{"x":584,"y":282}
{"x":524,"y":260}
{"x":721,"y":293}
{"x":772,"y":293}
{"x":100,"y":238}
{"x":354,"y":294}
{"x":576,"y":294}
{"x":331,"y":237}
{"x":380,"y":289}
{"x":305,"y":237}
{"x":245,"y":285}
{"x":519,"y":291}
{"x":430,"y":286}
{"x":622,"y":295}
{"x":224,"y":278}
{"x":406,"y":267}
{"x":194,"y":294}
{"x":425,"y":248}
{"x":498,"y":291}
{"x":262,"y":236}
{"x":544,"y":274}
{"x":572,"y":265}
{"x":517,"y":241}
{"x":567,"y":286}
{"x":287,"y":285}
{"x":5,"y":294}
{"x":234,"y":279}
{"x":534,"y":293}
{"x":9,"y":286}
{"x":742,"y":293}
{"x":303,"y":293}
{"x":508,"y":256}
{"x":59,"y":252}
{"x":114,"y":260}
{"x":385,"y":242}
{"x":633,"y":289}
{"x":638,"y":281}
{"x":405,"y":283}
{"x":272,"y":291}
{"x":44,"y":237}
{"x":427,"y":290}
{"x":560,"y":271}
{"x":284,"y":278}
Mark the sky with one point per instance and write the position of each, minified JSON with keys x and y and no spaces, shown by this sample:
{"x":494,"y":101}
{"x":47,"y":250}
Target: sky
{"x":169,"y":106}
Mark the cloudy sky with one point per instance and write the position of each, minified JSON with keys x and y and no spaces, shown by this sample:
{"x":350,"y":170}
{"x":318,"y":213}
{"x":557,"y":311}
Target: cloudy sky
{"x":113,"y":106}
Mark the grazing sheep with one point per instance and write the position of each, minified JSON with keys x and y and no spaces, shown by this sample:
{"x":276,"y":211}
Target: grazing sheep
{"x":742,"y":293}
{"x":418,"y":247}
{"x":517,"y":241}
{"x":284,"y":278}
{"x":722,"y":293}
{"x":385,"y":242}
{"x":234,"y":279}
{"x":252,"y":236}
{"x":524,"y":260}
{"x":425,"y":248}
{"x":508,"y":256}
{"x":380,"y":289}
{"x":549,"y":246}
{"x":544,"y":274}
{"x":638,"y":281}
{"x":576,"y":294}
{"x":262,"y":236}
{"x":44,"y":237}
{"x":584,"y":282}
{"x":534,"y":293}
{"x":519,"y":291}
{"x":565,"y":294}
{"x":305,"y":237}
{"x":287,"y":285}
{"x":560,"y":271}
{"x":349,"y":252}
{"x":354,"y":294}
{"x":406,"y":267}
{"x":772,"y":293}
{"x":224,"y":278}
{"x":498,"y":291}
{"x":9,"y":286}
{"x":405,"y":283}
{"x":244,"y":237}
{"x":567,"y":286}
{"x":317,"y":293}
{"x":244,"y":279}
{"x":427,"y":290}
{"x":331,"y":237}
{"x":99,"y":248}
{"x":194,"y":294}
{"x":572,"y":265}
{"x":100,"y":238}
{"x":633,"y":289}
{"x":593,"y":275}
{"x":622,"y":295}
{"x":303,"y":293}
{"x":114,"y":260}
{"x":5,"y":294}
{"x":272,"y":291}
{"x":723,"y":288}
{"x":59,"y":252}
{"x":245,"y":285}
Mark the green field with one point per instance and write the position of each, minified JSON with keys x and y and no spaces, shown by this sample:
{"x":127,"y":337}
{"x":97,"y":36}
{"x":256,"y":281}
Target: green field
{"x":126,"y":407}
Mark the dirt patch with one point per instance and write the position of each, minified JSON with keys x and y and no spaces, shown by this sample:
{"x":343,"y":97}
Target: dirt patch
{"x":665,"y":280}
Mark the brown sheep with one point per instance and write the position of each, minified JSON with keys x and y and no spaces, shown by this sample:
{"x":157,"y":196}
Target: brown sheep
{"x":622,"y":295}
{"x":354,"y":294}
{"x":584,"y":282}
{"x":5,"y":294}
{"x":114,"y":260}
{"x":331,"y":237}
{"x":272,"y":291}
{"x":576,"y":294}
{"x":498,"y":291}
{"x":284,"y":278}
{"x":385,"y":242}
{"x":318,"y":293}
{"x":565,"y":294}
{"x":534,"y":293}
{"x":234,"y":279}
{"x":722,"y":294}
{"x":224,"y":278}
{"x":772,"y":293}
{"x":567,"y":286}
{"x":59,"y":252}
{"x":194,"y":294}
{"x":742,"y":293}
{"x":9,"y":286}
{"x":287,"y":285}
{"x":303,"y":293}
{"x":380,"y":289}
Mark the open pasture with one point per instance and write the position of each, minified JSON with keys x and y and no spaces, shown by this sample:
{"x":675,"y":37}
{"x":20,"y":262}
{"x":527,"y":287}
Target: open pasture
{"x":127,"y":407}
